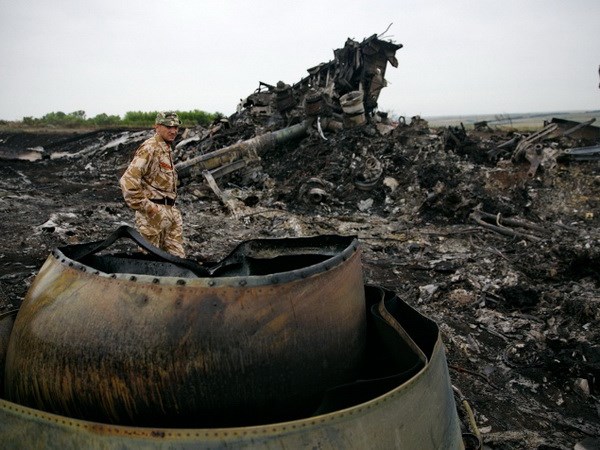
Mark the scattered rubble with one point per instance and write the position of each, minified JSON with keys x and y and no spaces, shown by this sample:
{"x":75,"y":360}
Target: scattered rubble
{"x":491,"y":232}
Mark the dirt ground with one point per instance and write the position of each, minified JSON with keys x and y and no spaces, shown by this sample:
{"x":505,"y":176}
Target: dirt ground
{"x":517,"y":302}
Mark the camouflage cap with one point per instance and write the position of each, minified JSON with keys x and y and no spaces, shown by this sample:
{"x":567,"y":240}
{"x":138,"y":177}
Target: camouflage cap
{"x":168,"y":118}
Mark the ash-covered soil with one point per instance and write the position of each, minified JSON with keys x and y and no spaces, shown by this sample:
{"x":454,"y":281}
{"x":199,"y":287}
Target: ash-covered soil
{"x":507,"y":264}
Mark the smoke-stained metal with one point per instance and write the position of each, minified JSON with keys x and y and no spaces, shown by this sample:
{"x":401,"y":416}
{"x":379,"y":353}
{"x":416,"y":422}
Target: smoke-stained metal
{"x":7,"y":321}
{"x":146,"y":342}
{"x":402,"y":399}
{"x":357,"y":66}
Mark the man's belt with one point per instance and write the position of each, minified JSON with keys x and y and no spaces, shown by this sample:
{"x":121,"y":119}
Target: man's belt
{"x":163,"y":201}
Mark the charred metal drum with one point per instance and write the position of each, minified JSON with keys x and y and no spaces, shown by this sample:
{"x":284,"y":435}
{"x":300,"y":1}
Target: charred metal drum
{"x":162,"y":341}
{"x":402,"y":399}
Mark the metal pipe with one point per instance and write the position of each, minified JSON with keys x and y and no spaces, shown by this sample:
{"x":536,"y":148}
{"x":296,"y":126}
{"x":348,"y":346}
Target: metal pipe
{"x":579,"y":126}
{"x":227,"y":155}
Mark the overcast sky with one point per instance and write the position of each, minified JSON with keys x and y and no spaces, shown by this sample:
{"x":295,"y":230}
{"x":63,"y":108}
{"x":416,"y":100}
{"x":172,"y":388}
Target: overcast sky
{"x":459,"y":57}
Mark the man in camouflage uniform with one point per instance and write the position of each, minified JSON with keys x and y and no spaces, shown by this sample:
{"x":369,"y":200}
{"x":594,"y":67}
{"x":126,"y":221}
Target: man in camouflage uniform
{"x":149,"y":187}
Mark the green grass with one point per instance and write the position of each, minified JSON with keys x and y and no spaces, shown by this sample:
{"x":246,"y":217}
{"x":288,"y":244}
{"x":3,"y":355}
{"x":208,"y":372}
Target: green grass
{"x":77,"y":120}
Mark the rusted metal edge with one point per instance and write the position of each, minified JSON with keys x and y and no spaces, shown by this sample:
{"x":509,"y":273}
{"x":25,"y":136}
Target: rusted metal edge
{"x":348,"y":245}
{"x":192,"y":355}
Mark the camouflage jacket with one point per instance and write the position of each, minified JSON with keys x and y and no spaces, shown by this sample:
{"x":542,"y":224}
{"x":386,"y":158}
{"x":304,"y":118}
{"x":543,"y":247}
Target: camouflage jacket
{"x":150,"y":175}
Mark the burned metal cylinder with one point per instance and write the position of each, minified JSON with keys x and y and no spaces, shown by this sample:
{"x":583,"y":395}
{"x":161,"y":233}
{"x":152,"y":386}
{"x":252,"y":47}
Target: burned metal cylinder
{"x":284,"y":97}
{"x":354,"y":109}
{"x":148,"y":343}
{"x":402,"y":399}
{"x":239,"y":150}
{"x":314,"y":105}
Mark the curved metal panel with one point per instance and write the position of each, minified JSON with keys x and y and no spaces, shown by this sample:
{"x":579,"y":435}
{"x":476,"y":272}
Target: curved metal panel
{"x":7,"y":321}
{"x":179,"y":350}
{"x":419,"y":412}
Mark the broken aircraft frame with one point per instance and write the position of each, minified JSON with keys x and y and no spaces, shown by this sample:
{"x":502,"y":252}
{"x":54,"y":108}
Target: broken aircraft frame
{"x":357,"y":67}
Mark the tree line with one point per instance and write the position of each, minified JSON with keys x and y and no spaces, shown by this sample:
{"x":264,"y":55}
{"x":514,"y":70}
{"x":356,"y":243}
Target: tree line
{"x":78,"y":119}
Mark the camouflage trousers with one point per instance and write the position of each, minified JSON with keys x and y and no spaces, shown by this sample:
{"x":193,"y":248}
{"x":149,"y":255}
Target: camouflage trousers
{"x":164,"y":229}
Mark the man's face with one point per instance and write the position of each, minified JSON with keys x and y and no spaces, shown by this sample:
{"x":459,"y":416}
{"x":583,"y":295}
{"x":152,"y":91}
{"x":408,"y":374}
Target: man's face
{"x":167,"y":133}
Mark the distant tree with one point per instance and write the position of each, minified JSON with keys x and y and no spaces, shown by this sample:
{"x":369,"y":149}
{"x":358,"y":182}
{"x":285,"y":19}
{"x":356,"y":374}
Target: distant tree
{"x":78,"y":118}
{"x":78,"y":114}
{"x":196,"y":117}
{"x":59,"y":118}
{"x":104,"y":120}
{"x":139,"y":118}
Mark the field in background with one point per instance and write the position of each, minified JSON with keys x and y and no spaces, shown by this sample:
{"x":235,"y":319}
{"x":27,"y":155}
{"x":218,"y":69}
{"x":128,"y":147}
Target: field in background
{"x":520,"y":121}
{"x":77,"y":122}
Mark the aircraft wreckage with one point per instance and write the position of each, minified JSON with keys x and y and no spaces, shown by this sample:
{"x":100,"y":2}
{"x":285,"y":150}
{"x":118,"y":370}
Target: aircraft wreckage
{"x":341,"y":93}
{"x":280,"y":344}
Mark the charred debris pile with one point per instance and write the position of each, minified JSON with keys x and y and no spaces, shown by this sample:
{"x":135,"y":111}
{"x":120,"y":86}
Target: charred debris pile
{"x":493,"y":232}
{"x":322,"y":145}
